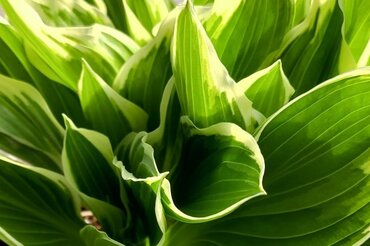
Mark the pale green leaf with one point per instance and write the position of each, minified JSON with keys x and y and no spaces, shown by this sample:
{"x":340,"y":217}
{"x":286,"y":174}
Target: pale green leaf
{"x":203,"y":2}
{"x":97,"y":99}
{"x":150,"y":13}
{"x":37,"y":207}
{"x":26,"y":118}
{"x":57,"y":52}
{"x":221,"y":169}
{"x":317,"y":177}
{"x":69,"y":13}
{"x":245,"y":32}
{"x":356,"y":29}
{"x":59,"y":98}
{"x":268,"y":89}
{"x":206,"y":92}
{"x":143,"y":77}
{"x":134,"y":27}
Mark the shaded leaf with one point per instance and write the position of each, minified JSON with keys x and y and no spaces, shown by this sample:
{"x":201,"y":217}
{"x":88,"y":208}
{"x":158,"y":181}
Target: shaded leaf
{"x":88,"y":152}
{"x":120,"y":115}
{"x":140,"y":174}
{"x":26,"y":116}
{"x":93,"y":237}
{"x":37,"y":207}
{"x":143,"y":77}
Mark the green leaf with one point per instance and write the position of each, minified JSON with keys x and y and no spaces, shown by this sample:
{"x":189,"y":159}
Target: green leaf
{"x":93,"y":237}
{"x":27,"y":119}
{"x":268,"y":89}
{"x":207,"y":93}
{"x":37,"y":207}
{"x":167,"y":139}
{"x":146,"y":204}
{"x":11,"y":58}
{"x":143,"y":77}
{"x":112,"y":219}
{"x":57,"y":52}
{"x":362,"y":237}
{"x":141,"y":175}
{"x":317,"y":177}
{"x":87,"y":163}
{"x":114,"y":11}
{"x":69,"y":13}
{"x":59,"y":98}
{"x":309,"y":51}
{"x":150,"y":13}
{"x":355,"y":29}
{"x":203,"y":2}
{"x":221,"y":169}
{"x":26,"y":155}
{"x":120,"y":115}
{"x":245,"y":32}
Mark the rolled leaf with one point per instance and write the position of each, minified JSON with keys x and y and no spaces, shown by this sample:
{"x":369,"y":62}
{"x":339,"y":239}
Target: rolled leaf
{"x":317,"y":176}
{"x":89,"y":152}
{"x":268,"y":89}
{"x":150,"y":13}
{"x":221,"y":169}
{"x":143,"y":77}
{"x":88,"y":165}
{"x":167,"y":139}
{"x":355,"y":30}
{"x":141,"y":175}
{"x":206,"y":92}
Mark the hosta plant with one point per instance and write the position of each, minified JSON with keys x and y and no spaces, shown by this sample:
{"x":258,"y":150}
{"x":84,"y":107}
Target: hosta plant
{"x":214,"y":122}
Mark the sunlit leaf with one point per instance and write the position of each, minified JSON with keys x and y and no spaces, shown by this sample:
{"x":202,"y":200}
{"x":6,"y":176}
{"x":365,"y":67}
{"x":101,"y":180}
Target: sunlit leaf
{"x":268,"y":89}
{"x":317,"y":173}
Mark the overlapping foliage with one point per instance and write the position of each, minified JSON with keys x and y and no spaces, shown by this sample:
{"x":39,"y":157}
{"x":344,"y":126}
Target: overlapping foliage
{"x":239,"y":122}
